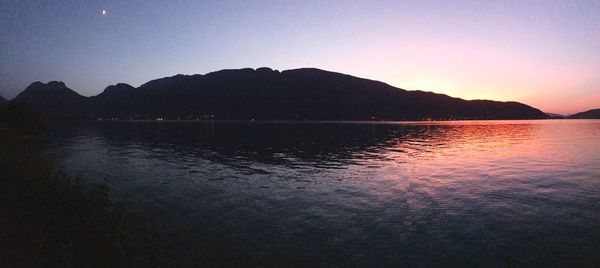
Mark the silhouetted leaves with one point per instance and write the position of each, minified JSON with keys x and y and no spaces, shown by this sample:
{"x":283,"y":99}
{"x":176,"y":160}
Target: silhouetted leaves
{"x":19,"y":117}
{"x":51,"y":219}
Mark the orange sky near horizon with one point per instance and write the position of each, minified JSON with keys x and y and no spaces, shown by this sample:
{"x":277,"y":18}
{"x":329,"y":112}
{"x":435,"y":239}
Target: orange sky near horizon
{"x":542,"y":53}
{"x":480,"y":71}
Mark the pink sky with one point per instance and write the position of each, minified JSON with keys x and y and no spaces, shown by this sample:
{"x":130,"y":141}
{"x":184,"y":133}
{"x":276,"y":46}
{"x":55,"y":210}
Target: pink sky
{"x":543,"y":53}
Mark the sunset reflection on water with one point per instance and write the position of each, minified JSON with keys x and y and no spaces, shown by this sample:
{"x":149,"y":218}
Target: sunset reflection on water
{"x":470,"y":193}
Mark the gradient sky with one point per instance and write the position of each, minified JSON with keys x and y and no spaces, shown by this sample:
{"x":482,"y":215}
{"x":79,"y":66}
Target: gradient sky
{"x":543,"y":53}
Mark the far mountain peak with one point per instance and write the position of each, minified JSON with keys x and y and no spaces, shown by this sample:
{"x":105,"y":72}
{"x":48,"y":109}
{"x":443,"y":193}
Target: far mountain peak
{"x":267,"y":94}
{"x":591,"y":114}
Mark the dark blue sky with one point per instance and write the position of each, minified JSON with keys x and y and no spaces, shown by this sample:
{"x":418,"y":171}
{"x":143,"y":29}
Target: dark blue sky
{"x":544,"y":53}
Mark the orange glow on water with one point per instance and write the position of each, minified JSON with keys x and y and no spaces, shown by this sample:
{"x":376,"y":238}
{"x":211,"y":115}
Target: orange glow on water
{"x":486,"y":149}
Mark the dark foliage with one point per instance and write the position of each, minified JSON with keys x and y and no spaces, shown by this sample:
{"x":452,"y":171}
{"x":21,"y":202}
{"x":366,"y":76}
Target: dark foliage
{"x":265,"y":94}
{"x":591,"y":114}
{"x":51,"y":219}
{"x":19,"y":117}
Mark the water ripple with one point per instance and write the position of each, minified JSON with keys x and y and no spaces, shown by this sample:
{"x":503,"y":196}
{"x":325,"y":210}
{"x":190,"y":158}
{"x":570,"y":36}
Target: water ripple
{"x":415,"y":194}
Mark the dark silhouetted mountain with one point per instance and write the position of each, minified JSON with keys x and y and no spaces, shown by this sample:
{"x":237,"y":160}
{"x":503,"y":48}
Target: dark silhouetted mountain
{"x":2,"y":99}
{"x":265,"y":94}
{"x":120,"y":100}
{"x":591,"y":114}
{"x":53,"y":99}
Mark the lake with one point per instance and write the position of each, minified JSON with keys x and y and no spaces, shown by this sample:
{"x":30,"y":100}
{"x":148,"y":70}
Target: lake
{"x":425,"y":194}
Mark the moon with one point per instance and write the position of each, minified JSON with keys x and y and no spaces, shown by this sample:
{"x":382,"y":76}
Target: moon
{"x":103,"y":12}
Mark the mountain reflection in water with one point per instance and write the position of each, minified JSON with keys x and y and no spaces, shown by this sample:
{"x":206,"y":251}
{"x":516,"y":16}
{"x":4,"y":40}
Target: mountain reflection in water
{"x":477,"y":193}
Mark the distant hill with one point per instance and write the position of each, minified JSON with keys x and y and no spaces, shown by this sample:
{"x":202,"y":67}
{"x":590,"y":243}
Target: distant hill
{"x":555,"y":116}
{"x":591,"y":114}
{"x":2,"y":99}
{"x":53,"y":99}
{"x":265,"y":94}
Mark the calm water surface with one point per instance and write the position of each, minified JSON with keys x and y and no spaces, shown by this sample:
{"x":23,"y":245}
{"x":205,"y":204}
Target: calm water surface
{"x":471,"y":194}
